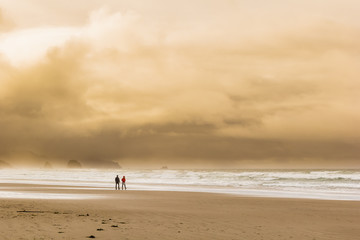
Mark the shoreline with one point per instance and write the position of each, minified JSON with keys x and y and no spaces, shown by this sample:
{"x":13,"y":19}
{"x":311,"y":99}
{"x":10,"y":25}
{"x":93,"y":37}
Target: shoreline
{"x":16,"y":190}
{"x":312,"y":184}
{"x":151,"y":215}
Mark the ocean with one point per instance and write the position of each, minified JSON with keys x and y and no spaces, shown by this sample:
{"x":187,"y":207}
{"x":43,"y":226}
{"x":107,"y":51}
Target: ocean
{"x":310,"y":183}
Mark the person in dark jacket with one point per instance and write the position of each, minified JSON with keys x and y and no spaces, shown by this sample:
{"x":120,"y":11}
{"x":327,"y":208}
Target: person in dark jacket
{"x":117,"y":183}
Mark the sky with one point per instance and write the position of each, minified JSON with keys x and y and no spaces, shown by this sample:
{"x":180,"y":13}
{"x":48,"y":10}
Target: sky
{"x":203,"y":83}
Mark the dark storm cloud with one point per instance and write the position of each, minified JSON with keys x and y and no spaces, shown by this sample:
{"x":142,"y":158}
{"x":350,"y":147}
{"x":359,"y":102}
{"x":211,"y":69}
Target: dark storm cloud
{"x":125,"y":88}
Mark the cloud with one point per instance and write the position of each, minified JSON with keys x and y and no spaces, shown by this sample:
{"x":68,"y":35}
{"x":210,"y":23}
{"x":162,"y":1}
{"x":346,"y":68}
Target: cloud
{"x":5,"y":23}
{"x":124,"y":87}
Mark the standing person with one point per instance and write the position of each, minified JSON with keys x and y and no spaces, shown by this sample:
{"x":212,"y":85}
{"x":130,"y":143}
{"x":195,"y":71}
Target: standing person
{"x":117,"y":183}
{"x":123,"y":180}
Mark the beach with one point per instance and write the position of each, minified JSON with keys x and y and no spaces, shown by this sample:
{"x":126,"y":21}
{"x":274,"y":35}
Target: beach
{"x":132,"y":214}
{"x":227,"y":120}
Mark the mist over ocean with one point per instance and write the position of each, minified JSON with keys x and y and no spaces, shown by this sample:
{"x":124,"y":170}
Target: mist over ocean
{"x":315,"y":184}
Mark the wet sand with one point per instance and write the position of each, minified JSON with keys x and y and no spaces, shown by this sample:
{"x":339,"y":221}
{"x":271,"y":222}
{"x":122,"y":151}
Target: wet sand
{"x":174,"y":215}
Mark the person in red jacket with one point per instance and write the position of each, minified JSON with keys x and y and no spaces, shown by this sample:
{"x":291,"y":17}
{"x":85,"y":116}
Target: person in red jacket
{"x":123,"y":184}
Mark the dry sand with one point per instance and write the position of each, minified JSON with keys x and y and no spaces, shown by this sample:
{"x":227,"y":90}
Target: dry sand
{"x":176,"y":215}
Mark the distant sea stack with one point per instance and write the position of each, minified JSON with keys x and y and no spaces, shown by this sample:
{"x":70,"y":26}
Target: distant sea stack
{"x":4,"y":164}
{"x":73,"y":164}
{"x":48,"y":165}
{"x":111,"y":165}
{"x":102,"y":164}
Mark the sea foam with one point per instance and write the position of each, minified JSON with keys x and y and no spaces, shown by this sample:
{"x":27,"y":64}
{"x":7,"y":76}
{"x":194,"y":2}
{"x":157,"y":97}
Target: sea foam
{"x":318,"y":184}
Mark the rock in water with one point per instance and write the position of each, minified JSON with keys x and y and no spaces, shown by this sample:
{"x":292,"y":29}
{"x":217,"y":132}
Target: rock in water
{"x":47,"y":165}
{"x":103,"y":164}
{"x":4,"y":164}
{"x":73,"y":164}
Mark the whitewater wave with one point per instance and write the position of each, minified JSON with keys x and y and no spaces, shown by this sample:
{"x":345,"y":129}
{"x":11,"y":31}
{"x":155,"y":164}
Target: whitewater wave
{"x":325,"y":184}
